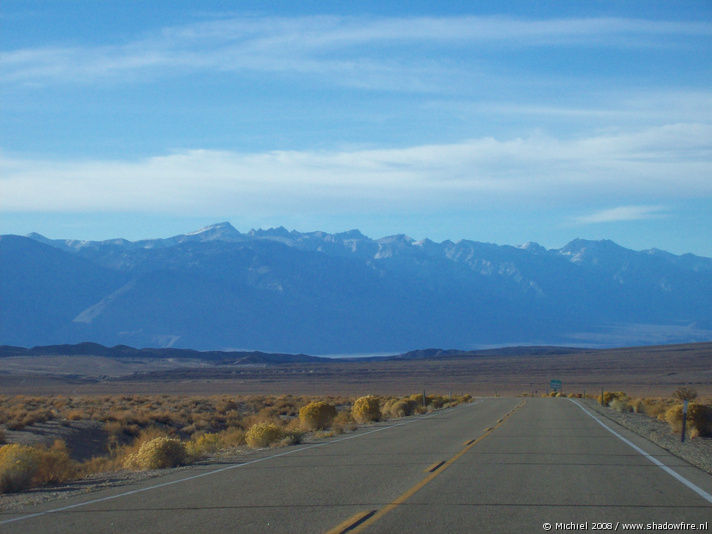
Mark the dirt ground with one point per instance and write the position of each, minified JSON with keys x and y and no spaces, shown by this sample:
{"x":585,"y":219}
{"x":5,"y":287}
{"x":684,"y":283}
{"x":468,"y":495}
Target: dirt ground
{"x":639,"y":371}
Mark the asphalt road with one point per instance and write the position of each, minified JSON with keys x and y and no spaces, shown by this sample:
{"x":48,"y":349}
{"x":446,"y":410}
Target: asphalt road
{"x":499,"y":465}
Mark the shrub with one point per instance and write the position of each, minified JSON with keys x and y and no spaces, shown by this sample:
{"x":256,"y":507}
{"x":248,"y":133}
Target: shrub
{"x":232,"y":437}
{"x":291,"y":437}
{"x":157,"y":453}
{"x":401,"y":408}
{"x":99,"y":464}
{"x":685,"y":394}
{"x":366,"y":409}
{"x":202,"y":444}
{"x":76,"y":415}
{"x":226,"y":405}
{"x":700,"y":417}
{"x":344,"y":420}
{"x":437,"y":401}
{"x":655,"y":407}
{"x":638,"y":406}
{"x":673,"y":416}
{"x":54,"y":464}
{"x":18,"y":467}
{"x":317,"y":415}
{"x":620,"y":405}
{"x":263,"y":434}
{"x":608,"y":396}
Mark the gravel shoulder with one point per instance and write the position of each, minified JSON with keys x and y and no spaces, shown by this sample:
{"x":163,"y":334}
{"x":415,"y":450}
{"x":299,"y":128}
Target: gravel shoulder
{"x":697,"y":451}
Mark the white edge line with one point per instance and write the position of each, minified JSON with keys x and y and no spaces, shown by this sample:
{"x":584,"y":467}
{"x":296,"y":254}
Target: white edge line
{"x":702,"y":493}
{"x":201,"y":475}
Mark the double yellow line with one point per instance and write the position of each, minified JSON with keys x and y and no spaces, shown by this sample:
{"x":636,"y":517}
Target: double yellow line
{"x":364,"y":519}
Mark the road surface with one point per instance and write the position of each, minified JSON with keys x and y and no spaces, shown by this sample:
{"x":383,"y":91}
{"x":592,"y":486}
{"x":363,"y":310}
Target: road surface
{"x":497,"y":465}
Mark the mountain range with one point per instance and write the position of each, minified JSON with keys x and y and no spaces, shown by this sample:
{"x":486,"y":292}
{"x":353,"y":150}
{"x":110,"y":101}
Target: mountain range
{"x":319,"y":293}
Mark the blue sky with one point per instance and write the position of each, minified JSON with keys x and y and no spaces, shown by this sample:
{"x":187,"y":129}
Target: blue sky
{"x":540,"y":121}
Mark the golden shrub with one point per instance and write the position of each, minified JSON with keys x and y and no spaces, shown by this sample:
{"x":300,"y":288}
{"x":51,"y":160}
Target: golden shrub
{"x":202,"y":444}
{"x":18,"y":467}
{"x":436,"y":401}
{"x":685,"y":393}
{"x":673,"y":416}
{"x":638,"y":406}
{"x":699,"y":419}
{"x":263,"y":434}
{"x":655,"y":407}
{"x":232,"y":437}
{"x":225,"y":405}
{"x":608,"y":396}
{"x":700,"y":416}
{"x":401,"y":408}
{"x":99,"y":464}
{"x":54,"y":464}
{"x":386,"y":406}
{"x":344,"y":420}
{"x":620,"y":405}
{"x":366,"y":409}
{"x":76,"y":415}
{"x":317,"y":415}
{"x":157,"y":453}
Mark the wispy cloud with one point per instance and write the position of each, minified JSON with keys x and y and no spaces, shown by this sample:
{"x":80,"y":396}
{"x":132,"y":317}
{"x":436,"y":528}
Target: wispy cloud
{"x":661,"y":163}
{"x":680,"y":105}
{"x":623,"y":213}
{"x":348,"y":49}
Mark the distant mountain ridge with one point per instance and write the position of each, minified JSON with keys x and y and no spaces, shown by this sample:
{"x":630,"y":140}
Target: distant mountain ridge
{"x":253,"y":357}
{"x":123,"y":351}
{"x":290,"y":292}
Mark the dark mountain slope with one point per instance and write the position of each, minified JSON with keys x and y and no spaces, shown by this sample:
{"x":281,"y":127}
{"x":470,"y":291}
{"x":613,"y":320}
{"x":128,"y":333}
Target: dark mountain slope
{"x":322,"y":293}
{"x":42,"y":289}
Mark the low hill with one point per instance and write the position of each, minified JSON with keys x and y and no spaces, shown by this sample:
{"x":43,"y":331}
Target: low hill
{"x":126,"y":352}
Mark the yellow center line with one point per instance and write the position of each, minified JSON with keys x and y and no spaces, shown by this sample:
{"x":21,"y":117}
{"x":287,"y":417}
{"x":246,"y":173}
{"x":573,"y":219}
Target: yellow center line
{"x":360,"y":521}
{"x":433,"y":467}
{"x":351,"y":523}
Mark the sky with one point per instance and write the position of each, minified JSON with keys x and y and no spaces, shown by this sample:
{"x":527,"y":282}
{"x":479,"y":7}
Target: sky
{"x":502,"y":122}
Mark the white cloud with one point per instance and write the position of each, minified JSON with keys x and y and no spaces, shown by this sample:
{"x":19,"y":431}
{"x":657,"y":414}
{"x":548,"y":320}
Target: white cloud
{"x":350,"y":50}
{"x":623,"y":213}
{"x":634,"y":107}
{"x":659,"y":163}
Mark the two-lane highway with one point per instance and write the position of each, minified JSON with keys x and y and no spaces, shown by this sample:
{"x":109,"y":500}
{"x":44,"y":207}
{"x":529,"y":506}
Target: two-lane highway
{"x":498,"y":465}
{"x":550,"y":463}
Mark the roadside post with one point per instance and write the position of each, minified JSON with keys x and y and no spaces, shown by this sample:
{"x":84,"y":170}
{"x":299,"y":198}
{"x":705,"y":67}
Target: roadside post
{"x":685,"y":394}
{"x":684,"y":419}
